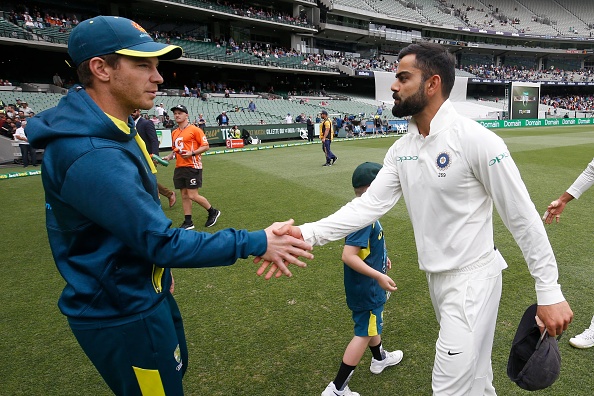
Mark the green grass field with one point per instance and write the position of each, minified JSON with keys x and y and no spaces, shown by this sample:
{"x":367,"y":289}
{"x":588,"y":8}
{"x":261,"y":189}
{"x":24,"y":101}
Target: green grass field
{"x":248,"y":336}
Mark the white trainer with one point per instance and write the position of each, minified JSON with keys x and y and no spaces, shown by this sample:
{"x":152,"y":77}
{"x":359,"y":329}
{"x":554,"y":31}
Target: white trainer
{"x":391,"y":359}
{"x":332,"y":391}
{"x":584,"y":340}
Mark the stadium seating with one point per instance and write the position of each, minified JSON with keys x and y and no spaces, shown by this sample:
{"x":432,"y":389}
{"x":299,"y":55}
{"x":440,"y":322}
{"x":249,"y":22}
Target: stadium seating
{"x":11,"y":30}
{"x":528,"y":15}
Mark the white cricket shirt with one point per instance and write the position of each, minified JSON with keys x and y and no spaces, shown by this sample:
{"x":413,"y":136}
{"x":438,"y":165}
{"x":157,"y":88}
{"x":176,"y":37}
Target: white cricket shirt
{"x":450,"y":181}
{"x":583,"y":182}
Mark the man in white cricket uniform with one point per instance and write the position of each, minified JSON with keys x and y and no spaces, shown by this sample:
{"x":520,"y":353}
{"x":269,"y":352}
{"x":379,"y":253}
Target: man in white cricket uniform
{"x":450,"y":171}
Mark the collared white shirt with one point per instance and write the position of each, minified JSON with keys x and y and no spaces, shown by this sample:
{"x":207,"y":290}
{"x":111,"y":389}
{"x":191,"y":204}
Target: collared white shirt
{"x":583,"y":182}
{"x":449,"y":181}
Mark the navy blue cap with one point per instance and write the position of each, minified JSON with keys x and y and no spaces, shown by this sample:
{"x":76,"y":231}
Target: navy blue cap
{"x":534,"y":360}
{"x":103,"y":35}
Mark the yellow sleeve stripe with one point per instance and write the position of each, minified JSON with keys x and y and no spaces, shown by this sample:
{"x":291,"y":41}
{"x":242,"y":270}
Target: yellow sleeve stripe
{"x":149,"y":381}
{"x":363,"y":253}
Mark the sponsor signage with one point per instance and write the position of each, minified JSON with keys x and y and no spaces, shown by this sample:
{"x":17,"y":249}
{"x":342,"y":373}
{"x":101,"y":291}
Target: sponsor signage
{"x":218,"y":135}
{"x":363,"y":73}
{"x":532,"y":122}
{"x":494,"y":81}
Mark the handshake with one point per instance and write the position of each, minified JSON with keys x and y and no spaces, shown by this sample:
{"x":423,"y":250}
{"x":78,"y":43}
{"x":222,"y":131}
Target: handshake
{"x":285,"y":245}
{"x":554,"y":211}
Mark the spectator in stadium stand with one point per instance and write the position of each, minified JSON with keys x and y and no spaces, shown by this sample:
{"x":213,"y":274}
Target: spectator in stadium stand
{"x":160,"y":112}
{"x":234,"y":132}
{"x":289,"y":119}
{"x":27,"y":150}
{"x":338,"y":122}
{"x":252,"y":106}
{"x":116,"y":250}
{"x":223,"y":119}
{"x":57,"y":80}
{"x":245,"y":135}
{"x":168,"y":123}
{"x":310,"y":129}
{"x":10,"y":111}
{"x":200,"y":122}
{"x":25,"y":109}
{"x":7,"y":127}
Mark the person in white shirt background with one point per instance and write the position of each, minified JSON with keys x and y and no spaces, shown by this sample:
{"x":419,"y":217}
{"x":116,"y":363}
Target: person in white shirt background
{"x":28,"y":152}
{"x":160,"y":112}
{"x":450,"y":170}
{"x":584,"y":181}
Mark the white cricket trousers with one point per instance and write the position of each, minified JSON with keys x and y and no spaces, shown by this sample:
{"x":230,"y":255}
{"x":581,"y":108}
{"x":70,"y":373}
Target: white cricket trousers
{"x":466,"y":303}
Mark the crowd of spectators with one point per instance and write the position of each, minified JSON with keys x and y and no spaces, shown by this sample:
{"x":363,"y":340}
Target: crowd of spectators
{"x":262,"y":51}
{"x":263,"y":13}
{"x":572,"y":102}
{"x":491,"y":18}
{"x":529,"y":74}
{"x":375,"y":63}
{"x":11,"y":116}
{"x":202,"y":87}
{"x":270,"y":14}
{"x":41,"y":19}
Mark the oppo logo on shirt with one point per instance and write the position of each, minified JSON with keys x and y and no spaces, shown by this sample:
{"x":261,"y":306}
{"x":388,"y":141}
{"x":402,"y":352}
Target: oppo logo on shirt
{"x":407,"y":158}
{"x":499,"y":158}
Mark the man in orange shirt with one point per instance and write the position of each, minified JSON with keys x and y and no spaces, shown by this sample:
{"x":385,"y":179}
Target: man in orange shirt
{"x":189,"y":142}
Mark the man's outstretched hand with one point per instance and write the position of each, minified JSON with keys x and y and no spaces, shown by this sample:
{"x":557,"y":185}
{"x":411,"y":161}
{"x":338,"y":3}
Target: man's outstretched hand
{"x":285,"y":245}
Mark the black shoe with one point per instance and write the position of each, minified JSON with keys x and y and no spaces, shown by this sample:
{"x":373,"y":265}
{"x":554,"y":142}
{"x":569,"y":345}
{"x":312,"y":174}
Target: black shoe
{"x":212,"y":218}
{"x":187,"y":225}
{"x":334,"y":160}
{"x":327,"y":164}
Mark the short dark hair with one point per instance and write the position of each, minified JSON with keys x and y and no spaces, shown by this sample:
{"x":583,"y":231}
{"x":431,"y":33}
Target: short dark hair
{"x":85,"y":77}
{"x":433,"y":59}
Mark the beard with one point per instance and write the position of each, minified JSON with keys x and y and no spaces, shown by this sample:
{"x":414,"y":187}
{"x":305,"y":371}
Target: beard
{"x":411,"y":105}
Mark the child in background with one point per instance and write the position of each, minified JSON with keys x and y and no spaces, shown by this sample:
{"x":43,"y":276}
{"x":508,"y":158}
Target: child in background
{"x":366,"y":262}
